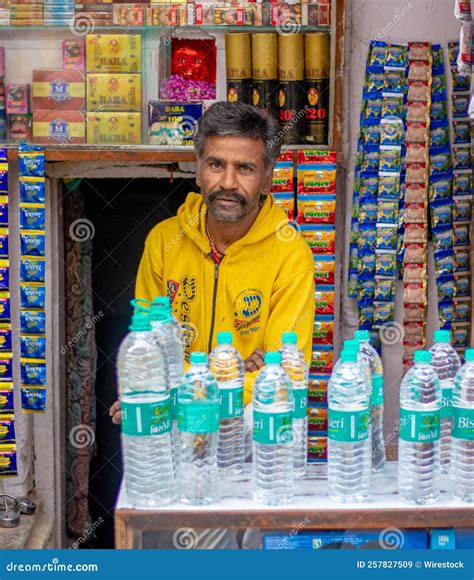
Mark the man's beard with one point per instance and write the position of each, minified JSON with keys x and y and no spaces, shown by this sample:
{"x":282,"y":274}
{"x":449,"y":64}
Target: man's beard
{"x":231,"y":215}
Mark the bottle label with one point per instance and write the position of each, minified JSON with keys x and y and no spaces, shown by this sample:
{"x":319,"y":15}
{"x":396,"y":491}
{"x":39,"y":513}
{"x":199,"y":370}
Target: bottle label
{"x":272,"y":428}
{"x":301,"y":403}
{"x":198,"y":417}
{"x":174,"y":403}
{"x":348,"y":426}
{"x":447,"y":401}
{"x":145,"y":419}
{"x":463,"y":423}
{"x":376,"y":396}
{"x":419,"y":426}
{"x":231,"y":402}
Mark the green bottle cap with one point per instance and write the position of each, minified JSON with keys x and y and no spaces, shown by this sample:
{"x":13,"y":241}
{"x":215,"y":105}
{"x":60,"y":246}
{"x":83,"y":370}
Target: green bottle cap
{"x":272,"y":358}
{"x":422,"y":356}
{"x":159,"y":312}
{"x":377,"y":381}
{"x":140,"y":323}
{"x":361,"y":335}
{"x":349,"y":356}
{"x":352,"y":345}
{"x":469,"y":354}
{"x":198,"y":358}
{"x":163,"y":301}
{"x":224,"y":338}
{"x":442,"y":336}
{"x":289,"y":338}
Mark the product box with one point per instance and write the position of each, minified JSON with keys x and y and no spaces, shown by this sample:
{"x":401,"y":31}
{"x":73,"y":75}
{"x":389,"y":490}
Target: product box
{"x":173,"y":122}
{"x":114,"y":128}
{"x":74,"y":54}
{"x":58,"y":126}
{"x":348,"y":540}
{"x":282,"y":180}
{"x":114,"y":53}
{"x":19,"y":127}
{"x":129,"y":14}
{"x":286,"y":201}
{"x":320,"y":238}
{"x":2,"y":62}
{"x":18,"y":99}
{"x":286,"y":15}
{"x":114,"y":92}
{"x":166,"y":15}
{"x":58,"y":89}
{"x":316,"y":209}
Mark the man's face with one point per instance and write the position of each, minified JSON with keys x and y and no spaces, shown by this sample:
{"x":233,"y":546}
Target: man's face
{"x":232,"y":176}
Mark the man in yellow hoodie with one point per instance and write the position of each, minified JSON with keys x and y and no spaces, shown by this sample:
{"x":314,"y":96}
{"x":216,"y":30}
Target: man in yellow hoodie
{"x":230,"y":261}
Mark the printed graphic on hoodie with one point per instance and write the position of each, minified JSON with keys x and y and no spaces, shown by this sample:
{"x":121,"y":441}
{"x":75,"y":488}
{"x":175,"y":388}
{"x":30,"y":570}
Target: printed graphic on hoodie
{"x":247,"y":307}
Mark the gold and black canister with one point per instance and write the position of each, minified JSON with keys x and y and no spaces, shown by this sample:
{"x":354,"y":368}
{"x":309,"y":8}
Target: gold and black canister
{"x":265,"y":71}
{"x":238,"y":56}
{"x":291,"y":92}
{"x":317,"y":68}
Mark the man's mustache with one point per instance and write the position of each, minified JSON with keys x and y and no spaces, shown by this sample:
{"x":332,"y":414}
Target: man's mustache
{"x":233,"y":195}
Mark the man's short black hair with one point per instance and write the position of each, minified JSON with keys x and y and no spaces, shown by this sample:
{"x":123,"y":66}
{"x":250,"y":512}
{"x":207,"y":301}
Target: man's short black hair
{"x":225,"y":118}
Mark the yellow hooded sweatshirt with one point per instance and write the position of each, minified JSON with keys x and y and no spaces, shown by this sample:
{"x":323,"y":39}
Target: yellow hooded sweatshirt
{"x":262,"y":287}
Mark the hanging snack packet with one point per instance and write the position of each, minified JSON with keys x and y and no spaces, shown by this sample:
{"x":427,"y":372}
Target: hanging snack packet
{"x":440,"y":189}
{"x":461,"y":132}
{"x":419,"y":51}
{"x":32,"y":322}
{"x":392,"y":105}
{"x":396,"y":56}
{"x":461,"y":157}
{"x":32,"y":216}
{"x":3,"y":242}
{"x":3,"y":210}
{"x":324,"y":268}
{"x":390,"y":158}
{"x":318,"y":388}
{"x":462,"y":183}
{"x":366,"y":292}
{"x":383,"y":313}
{"x":415,"y":193}
{"x":461,"y":260}
{"x":32,"y":243}
{"x":389,"y":185}
{"x":5,"y":337}
{"x":32,"y":269}
{"x":461,"y":234}
{"x":462,"y":209}
{"x":324,"y":300}
{"x":31,"y":161}
{"x":6,"y":368}
{"x":391,"y":131}
{"x":32,"y":190}
{"x":384,"y":289}
{"x":32,"y":296}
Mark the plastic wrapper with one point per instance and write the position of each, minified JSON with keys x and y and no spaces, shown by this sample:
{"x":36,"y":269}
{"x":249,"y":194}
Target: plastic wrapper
{"x":460,"y":103}
{"x":5,"y":312}
{"x":317,"y":449}
{"x":367,"y":238}
{"x":462,"y":10}
{"x":369,"y":186}
{"x":366,"y":317}
{"x":462,"y":209}
{"x":414,"y":313}
{"x":321,"y":239}
{"x":392,"y":105}
{"x":366,"y":291}
{"x":383,"y":313}
{"x":443,"y":264}
{"x":445,"y":290}
{"x":438,"y":85}
{"x":384,"y":289}
{"x":3,"y":242}
{"x":462,"y":285}
{"x":418,"y":91}
{"x":416,"y":173}
{"x":440,"y":190}
{"x":461,"y":234}
{"x":324,"y":300}
{"x":6,"y":369}
{"x":460,"y":82}
{"x":439,"y":134}
{"x":419,"y":51}
{"x":461,"y":132}
{"x":5,"y":337}
{"x":317,"y":419}
{"x":387,"y":237}
{"x":33,"y":372}
{"x":32,"y":322}
{"x":317,"y":209}
{"x":317,"y":388}
{"x":389,"y":185}
{"x":32,"y":216}
{"x":6,"y":398}
{"x":368,"y":212}
{"x":32,"y":295}
{"x":461,"y":157}
{"x":415,"y":213}
{"x":446,"y":315}
{"x":396,"y":56}
{"x":317,"y":179}
{"x":371,"y":133}
{"x":31,"y":162}
{"x":373,"y":108}
{"x":460,"y":334}
{"x":311,"y":156}
{"x":461,"y":261}
{"x":32,"y":269}
{"x":387,"y":212}
{"x":394,"y":80}
{"x":414,"y":294}
{"x":3,"y":210}
{"x":415,"y":193}
{"x":391,"y":131}
{"x":7,"y":429}
{"x":390,"y":158}
{"x":417,"y":132}
{"x":464,"y":61}
{"x":443,"y":241}
{"x":322,"y":359}
{"x":324,"y":268}
{"x":438,"y":110}
{"x":377,"y":54}
{"x":366,"y":266}
{"x":415,"y":254}
{"x":282,"y":180}
{"x":414,"y":273}
{"x":32,"y":190}
{"x":33,"y":347}
{"x":4,"y":274}
{"x":414,"y":332}
{"x":417,"y":112}
{"x":323,"y":331}
{"x":370,"y":160}
{"x":385,"y":263}
{"x":32,"y":243}
{"x":462,"y":183}
{"x":441,"y":214}
{"x":462,"y":311}
{"x":33,"y":399}
{"x":374,"y":79}
{"x":419,"y":71}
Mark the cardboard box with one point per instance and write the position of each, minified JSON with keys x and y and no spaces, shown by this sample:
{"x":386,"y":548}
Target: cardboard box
{"x":114,"y":92}
{"x":172,"y":122}
{"x":114,"y":128}
{"x":114,"y":53}
{"x":58,"y":89}
{"x":74,"y":54}
{"x":19,"y":127}
{"x":58,"y":127}
{"x":18,"y":99}
{"x":129,"y":14}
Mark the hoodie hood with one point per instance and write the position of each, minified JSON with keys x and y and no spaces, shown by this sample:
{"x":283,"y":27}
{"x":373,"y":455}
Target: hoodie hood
{"x":192,"y":220}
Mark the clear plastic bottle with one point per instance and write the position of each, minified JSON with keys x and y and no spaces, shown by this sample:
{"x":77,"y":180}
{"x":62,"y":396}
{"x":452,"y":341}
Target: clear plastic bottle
{"x":368,"y":352}
{"x":146,"y":423}
{"x":420,"y":417}
{"x":446,"y":363}
{"x":349,"y":444}
{"x":227,"y":366}
{"x":272,"y":433}
{"x":462,"y":463}
{"x":294,"y":363}
{"x":167,"y":338}
{"x":198,"y":421}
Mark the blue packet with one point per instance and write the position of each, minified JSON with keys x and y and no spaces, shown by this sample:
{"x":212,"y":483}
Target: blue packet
{"x":366,"y":291}
{"x":367,"y":238}
{"x":374,"y":79}
{"x":366,"y":266}
{"x":461,"y":157}
{"x":4,"y":307}
{"x":369,"y":185}
{"x":33,"y":372}
{"x":8,"y":463}
{"x":4,"y":274}
{"x":396,"y":56}
{"x":387,"y":236}
{"x":371,"y":133}
{"x":378,"y":50}
{"x":387,"y":211}
{"x":392,"y":105}
{"x":7,"y":429}
{"x":440,"y":163}
{"x":461,"y":234}
{"x":463,"y":285}
{"x":384,"y":289}
{"x":389,"y":185}
{"x":443,"y":241}
{"x":383,"y":313}
{"x":32,"y":243}
{"x":31,"y":161}
{"x":6,"y":398}
{"x":394,"y":81}
{"x":462,"y":183}
{"x":4,"y":242}
{"x":33,"y":399}
{"x":440,"y":189}
{"x":32,"y":269}
{"x":32,"y":295}
{"x":462,"y":311}
{"x":460,"y":105}
{"x":368,"y":212}
{"x":33,"y":347}
{"x":352,"y":285}
{"x":461,"y":83}
{"x":3,"y":210}
{"x":461,"y":132}
{"x":461,"y":260}
{"x":438,"y":110}
{"x":446,"y":314}
{"x":439,"y":134}
{"x":462,"y":209}
{"x":373,"y":108}
{"x":385,"y":263}
{"x":390,"y":158}
{"x":370,"y":161}
{"x":460,"y":334}
{"x":32,"y":322}
{"x":4,"y":177}
{"x":32,"y":216}
{"x":6,"y":367}
{"x":441,"y":213}
{"x":366,"y":317}
{"x":443,"y":265}
{"x":438,"y":86}
{"x":32,"y":190}
{"x":391,"y":131}
{"x":5,"y":337}
{"x":437,"y":56}
{"x":446,"y":290}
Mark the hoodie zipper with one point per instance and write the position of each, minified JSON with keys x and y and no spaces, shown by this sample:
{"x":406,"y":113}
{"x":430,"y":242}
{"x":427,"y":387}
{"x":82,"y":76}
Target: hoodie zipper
{"x":214,"y":298}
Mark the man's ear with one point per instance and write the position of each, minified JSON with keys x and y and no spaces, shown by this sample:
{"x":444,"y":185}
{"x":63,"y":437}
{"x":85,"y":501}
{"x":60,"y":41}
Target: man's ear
{"x":198,"y":174}
{"x":267,"y":182}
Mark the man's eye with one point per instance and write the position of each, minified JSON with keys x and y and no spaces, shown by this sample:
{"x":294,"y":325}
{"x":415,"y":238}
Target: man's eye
{"x":245,"y":169}
{"x":215,"y":164}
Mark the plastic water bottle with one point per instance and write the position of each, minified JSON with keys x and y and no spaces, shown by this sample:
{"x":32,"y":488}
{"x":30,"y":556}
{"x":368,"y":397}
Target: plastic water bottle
{"x":146,"y":423}
{"x":294,"y":363}
{"x":368,"y":352}
{"x":420,"y":418}
{"x":227,"y":366}
{"x":446,"y":363}
{"x":198,"y":421}
{"x":462,"y":466}
{"x":349,"y":445}
{"x":272,"y":433}
{"x":169,"y":340}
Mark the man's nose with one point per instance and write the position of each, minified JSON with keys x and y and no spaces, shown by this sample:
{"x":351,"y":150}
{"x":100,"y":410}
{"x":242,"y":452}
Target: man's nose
{"x":229,"y":178}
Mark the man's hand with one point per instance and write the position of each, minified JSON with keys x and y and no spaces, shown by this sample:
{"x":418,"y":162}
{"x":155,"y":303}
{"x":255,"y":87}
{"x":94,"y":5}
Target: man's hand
{"x":255,"y":360}
{"x":116,"y":413}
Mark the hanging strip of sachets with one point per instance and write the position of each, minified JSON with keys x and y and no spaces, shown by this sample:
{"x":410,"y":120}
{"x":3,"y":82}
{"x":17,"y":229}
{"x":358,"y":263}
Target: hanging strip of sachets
{"x":31,"y":163}
{"x":462,"y":196}
{"x":8,"y":465}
